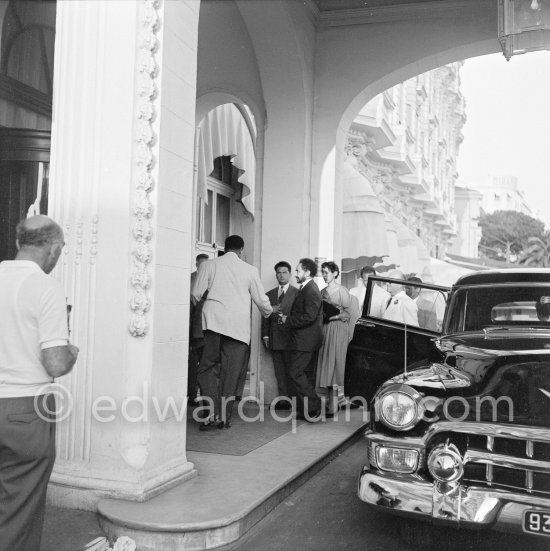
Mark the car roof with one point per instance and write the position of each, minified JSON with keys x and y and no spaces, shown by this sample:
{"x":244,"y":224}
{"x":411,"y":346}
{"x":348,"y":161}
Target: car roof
{"x":513,"y":275}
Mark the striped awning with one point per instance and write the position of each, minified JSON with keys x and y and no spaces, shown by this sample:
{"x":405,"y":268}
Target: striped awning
{"x":224,"y":132}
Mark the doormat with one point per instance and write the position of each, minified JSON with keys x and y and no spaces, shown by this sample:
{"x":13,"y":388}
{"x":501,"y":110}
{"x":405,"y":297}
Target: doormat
{"x":243,"y":436}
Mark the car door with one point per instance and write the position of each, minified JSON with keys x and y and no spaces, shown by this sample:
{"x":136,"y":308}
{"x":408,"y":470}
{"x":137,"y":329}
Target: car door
{"x":381,"y":347}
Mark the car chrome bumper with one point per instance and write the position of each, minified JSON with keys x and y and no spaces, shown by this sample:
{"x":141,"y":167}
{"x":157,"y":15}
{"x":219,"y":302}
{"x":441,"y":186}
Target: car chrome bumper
{"x":470,"y":507}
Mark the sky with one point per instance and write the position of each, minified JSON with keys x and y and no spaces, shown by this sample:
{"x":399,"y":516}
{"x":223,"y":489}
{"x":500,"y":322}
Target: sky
{"x":507,"y":131}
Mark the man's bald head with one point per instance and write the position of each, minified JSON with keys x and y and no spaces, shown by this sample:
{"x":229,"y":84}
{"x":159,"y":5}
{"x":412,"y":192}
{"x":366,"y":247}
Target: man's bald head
{"x":38,"y":231}
{"x":39,"y":239}
{"x":394,"y":288}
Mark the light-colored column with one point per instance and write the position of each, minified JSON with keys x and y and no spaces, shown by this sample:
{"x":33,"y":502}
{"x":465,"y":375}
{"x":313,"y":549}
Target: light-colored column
{"x":121,"y":185}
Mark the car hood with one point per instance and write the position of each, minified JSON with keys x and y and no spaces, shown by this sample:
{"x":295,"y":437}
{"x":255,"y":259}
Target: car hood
{"x":491,"y":376}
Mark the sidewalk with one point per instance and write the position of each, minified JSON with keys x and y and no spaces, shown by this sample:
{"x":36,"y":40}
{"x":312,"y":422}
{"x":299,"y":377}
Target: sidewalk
{"x":231,"y":493}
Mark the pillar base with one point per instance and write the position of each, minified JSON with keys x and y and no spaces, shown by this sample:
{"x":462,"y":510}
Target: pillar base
{"x":84,"y":491}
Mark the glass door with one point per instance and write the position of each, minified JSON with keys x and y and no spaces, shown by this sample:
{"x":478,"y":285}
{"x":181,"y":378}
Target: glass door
{"x":24,"y":179}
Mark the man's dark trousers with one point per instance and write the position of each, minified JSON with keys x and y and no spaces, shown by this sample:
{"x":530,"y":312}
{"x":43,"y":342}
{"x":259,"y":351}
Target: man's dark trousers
{"x":222,"y":362}
{"x":306,"y":335}
{"x":27,"y":455}
{"x":300,"y":363}
{"x":280,"y":362}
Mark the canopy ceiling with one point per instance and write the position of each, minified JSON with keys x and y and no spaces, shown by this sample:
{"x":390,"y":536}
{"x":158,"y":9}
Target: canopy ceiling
{"x":330,"y":5}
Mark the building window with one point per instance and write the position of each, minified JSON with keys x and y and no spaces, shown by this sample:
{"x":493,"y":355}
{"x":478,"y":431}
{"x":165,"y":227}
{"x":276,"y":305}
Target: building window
{"x":214,"y":216}
{"x":26,"y":61}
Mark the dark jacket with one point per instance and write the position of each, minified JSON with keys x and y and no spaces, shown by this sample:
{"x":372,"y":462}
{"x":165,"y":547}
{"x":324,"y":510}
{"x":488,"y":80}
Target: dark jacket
{"x":306,"y":319}
{"x":278,"y":334}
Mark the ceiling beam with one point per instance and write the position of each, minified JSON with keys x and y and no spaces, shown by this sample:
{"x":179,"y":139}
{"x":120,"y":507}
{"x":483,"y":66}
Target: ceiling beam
{"x":435,"y":9}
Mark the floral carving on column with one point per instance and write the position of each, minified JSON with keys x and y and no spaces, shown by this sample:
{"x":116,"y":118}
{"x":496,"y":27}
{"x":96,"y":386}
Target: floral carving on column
{"x":142,"y":229}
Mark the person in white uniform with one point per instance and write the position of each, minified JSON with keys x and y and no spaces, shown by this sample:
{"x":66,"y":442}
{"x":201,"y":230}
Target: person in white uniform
{"x":401,"y":307}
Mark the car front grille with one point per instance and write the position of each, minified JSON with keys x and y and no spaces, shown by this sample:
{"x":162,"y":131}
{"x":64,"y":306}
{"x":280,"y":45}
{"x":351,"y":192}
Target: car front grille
{"x":514,"y":463}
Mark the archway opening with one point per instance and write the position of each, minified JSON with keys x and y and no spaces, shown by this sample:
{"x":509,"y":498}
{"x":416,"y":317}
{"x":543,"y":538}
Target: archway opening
{"x":400,"y":173}
{"x":224,"y":205}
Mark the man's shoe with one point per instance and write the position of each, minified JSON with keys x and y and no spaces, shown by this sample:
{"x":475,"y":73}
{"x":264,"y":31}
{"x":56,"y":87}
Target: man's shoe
{"x":314,"y":416}
{"x":208,"y":424}
{"x":223,"y":424}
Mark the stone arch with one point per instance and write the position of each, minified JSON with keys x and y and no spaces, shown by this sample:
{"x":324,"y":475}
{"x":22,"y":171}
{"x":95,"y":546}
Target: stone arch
{"x":329,"y":151}
{"x":210,"y":100}
{"x":411,"y":70}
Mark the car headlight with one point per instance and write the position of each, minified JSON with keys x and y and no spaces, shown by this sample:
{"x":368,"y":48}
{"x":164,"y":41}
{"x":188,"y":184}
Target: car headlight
{"x":398,"y":407}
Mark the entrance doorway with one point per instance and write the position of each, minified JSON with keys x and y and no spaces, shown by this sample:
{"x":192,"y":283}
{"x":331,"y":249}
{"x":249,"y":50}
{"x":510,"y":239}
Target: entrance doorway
{"x":27,"y":37}
{"x":24,"y":178}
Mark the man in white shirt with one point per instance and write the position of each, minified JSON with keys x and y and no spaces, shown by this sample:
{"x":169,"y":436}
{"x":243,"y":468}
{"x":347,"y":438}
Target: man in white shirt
{"x":430,"y":303}
{"x":401,"y":308}
{"x":232,"y":286}
{"x":196,"y":340}
{"x":34,"y":348}
{"x":379,"y":297}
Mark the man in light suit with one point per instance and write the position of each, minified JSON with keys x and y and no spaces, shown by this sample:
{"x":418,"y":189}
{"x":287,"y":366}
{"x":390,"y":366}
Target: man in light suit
{"x":275,"y":336}
{"x":232,"y":286}
{"x":306,"y":335}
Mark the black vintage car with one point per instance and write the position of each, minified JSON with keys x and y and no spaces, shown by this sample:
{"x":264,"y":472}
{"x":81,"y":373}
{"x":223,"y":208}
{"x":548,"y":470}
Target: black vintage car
{"x":459,"y":433}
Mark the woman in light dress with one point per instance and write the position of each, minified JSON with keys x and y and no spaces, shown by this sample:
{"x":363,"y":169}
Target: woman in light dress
{"x":337,"y":332}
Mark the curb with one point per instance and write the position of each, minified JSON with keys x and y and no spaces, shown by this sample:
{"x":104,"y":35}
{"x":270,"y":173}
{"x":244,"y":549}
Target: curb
{"x":224,"y":533}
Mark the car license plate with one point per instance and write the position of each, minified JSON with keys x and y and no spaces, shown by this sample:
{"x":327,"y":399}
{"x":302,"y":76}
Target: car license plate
{"x":537,"y":522}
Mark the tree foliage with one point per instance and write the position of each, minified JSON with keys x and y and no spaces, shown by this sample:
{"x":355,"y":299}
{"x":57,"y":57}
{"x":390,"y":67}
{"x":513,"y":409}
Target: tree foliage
{"x":537,"y":253}
{"x":505,"y":234}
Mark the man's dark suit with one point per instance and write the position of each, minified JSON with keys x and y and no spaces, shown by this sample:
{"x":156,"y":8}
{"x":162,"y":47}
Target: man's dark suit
{"x":279,"y":336}
{"x":306,"y":335}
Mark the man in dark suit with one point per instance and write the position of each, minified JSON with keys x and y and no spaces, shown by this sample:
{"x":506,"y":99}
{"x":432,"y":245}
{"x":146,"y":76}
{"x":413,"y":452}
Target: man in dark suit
{"x":196,"y":337}
{"x":275,"y":336}
{"x":305,"y":322}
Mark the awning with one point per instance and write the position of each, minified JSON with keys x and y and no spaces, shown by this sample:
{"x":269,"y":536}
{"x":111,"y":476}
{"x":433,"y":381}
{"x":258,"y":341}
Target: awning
{"x":412,"y":255}
{"x":441,"y":272}
{"x":363,"y":224}
{"x":223,"y":132}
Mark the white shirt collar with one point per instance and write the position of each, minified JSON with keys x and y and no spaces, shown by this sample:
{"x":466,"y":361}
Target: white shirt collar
{"x":400,"y":294}
{"x":22,"y":264}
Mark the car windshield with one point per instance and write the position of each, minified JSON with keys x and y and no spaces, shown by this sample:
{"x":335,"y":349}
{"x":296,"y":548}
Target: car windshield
{"x":479,"y":308}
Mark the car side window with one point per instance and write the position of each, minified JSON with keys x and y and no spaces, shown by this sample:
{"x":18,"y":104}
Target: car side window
{"x":414,"y":304}
{"x":457,"y":314}
{"x":482,"y":307}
